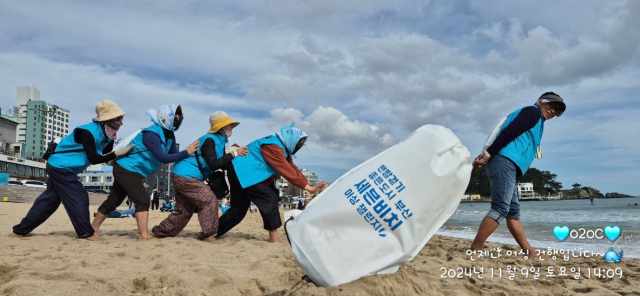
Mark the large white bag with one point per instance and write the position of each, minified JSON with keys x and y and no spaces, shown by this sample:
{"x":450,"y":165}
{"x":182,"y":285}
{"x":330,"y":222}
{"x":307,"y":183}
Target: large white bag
{"x":382,"y":213}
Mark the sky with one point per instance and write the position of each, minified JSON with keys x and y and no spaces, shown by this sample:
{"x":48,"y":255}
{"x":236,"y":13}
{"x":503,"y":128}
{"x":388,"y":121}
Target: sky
{"x":357,"y":76}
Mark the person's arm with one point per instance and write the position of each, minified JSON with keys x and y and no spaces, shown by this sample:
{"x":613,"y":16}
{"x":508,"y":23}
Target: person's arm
{"x":84,"y":137}
{"x":526,"y":119}
{"x":153,"y":142}
{"x":274,"y":155}
{"x":209,"y":153}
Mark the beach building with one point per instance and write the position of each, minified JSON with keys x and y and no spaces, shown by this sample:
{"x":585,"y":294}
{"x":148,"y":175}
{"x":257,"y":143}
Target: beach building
{"x":20,"y":168}
{"x":525,"y":191}
{"x":38,"y":121}
{"x":8,"y":127}
{"x":97,"y":177}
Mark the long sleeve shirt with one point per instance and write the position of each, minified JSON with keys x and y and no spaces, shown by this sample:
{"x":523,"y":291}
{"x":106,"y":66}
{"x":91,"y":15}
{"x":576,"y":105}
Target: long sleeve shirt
{"x":209,"y":153}
{"x":526,"y":120}
{"x":154,"y":144}
{"x":84,"y":137}
{"x":274,"y":155}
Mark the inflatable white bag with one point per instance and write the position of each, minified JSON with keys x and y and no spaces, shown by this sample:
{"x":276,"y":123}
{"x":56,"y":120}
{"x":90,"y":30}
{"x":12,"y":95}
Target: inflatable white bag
{"x":382,"y":213}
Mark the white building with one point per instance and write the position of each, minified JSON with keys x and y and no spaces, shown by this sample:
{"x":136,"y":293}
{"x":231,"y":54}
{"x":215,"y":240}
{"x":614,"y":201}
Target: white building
{"x":97,"y":176}
{"x":525,"y":191}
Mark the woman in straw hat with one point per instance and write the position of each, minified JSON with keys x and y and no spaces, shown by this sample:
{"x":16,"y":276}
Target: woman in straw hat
{"x":87,"y":144}
{"x":155,"y":145}
{"x":188,"y":178}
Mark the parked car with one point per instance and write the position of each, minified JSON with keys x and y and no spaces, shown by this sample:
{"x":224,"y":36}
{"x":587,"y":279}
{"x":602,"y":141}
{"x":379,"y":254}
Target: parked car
{"x":33,"y":183}
{"x":16,"y":183}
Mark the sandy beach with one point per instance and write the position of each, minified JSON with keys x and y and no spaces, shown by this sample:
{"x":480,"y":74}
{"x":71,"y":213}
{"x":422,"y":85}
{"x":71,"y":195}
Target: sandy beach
{"x":53,"y":262}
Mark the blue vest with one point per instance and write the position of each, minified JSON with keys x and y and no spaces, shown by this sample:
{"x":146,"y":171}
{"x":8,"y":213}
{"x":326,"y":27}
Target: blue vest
{"x":140,"y":160}
{"x":78,"y":161}
{"x":253,"y":168}
{"x":522,"y":150}
{"x":188,"y":167}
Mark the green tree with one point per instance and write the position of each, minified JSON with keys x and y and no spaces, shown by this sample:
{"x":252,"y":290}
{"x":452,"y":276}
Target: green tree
{"x":543,"y":181}
{"x":479,"y":183}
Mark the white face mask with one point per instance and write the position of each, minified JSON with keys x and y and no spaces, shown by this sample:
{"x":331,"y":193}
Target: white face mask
{"x":226,"y":132}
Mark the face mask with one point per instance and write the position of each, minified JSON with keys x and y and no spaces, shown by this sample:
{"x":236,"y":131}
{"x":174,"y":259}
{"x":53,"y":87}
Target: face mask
{"x":112,"y":126}
{"x":177,"y":121}
{"x":299,"y":145}
{"x":225,"y":133}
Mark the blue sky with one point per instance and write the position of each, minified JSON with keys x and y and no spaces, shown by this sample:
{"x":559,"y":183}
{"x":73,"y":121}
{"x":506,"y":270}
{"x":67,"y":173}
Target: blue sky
{"x":357,"y":76}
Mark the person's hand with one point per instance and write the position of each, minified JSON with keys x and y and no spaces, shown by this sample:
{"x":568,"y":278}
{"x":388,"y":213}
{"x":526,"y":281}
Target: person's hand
{"x":319,"y":187}
{"x":193,"y":147}
{"x":111,"y":162}
{"x":482,"y":159}
{"x":123,"y":151}
{"x":242,"y":151}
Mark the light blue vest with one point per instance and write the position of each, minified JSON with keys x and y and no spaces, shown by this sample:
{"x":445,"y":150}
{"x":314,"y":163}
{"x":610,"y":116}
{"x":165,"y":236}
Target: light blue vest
{"x":522,"y":150}
{"x":78,"y":161}
{"x":140,"y":159}
{"x":188,"y":167}
{"x":253,"y":168}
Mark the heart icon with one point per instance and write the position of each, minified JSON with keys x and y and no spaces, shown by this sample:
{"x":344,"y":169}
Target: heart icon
{"x":561,"y":233}
{"x":612,"y":233}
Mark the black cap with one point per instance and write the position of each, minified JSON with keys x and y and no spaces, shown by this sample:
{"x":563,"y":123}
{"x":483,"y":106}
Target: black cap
{"x":550,"y":97}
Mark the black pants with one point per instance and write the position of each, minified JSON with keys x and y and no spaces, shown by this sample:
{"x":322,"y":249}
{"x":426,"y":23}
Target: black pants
{"x":265,"y":197}
{"x":125,"y":183}
{"x":155,"y":204}
{"x":62,"y":187}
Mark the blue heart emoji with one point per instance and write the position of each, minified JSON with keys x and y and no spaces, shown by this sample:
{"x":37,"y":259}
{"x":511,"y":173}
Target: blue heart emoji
{"x":612,"y":233}
{"x":561,"y":233}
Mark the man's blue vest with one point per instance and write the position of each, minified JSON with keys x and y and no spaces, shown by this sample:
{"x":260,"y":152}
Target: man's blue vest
{"x":188,"y":167}
{"x":253,"y":168}
{"x":140,"y":160}
{"x":78,"y":161}
{"x":522,"y":150}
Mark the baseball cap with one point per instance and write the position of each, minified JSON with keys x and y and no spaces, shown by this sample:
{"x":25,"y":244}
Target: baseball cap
{"x":551,"y":97}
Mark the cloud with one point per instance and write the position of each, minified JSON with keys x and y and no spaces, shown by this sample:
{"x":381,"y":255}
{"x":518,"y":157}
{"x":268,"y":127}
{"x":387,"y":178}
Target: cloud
{"x":328,"y":127}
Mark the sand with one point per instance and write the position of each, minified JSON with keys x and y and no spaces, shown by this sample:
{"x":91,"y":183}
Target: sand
{"x":53,"y":262}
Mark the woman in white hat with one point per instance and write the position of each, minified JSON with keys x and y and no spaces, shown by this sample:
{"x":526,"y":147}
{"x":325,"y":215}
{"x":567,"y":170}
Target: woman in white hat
{"x":87,"y":144}
{"x":188,"y":178}
{"x":155,"y":145}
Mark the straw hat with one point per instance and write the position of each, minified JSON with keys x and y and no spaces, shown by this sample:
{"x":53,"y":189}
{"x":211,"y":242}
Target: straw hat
{"x":107,"y":110}
{"x":220,"y":119}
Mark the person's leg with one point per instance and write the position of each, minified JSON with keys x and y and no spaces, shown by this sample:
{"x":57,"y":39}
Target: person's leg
{"x":265,"y":199}
{"x":116,"y":196}
{"x":239,"y":206}
{"x":76,"y":202}
{"x":515,"y":226}
{"x":43,"y":207}
{"x":178,"y":220}
{"x":502,"y":175}
{"x":201,"y":195}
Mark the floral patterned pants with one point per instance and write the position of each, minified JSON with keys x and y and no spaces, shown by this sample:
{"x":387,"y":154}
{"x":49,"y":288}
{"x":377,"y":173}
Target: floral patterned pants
{"x":190,"y":194}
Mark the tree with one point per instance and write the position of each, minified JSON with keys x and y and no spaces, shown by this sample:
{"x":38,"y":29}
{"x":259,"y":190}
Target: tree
{"x":479,"y":183}
{"x":543,"y":181}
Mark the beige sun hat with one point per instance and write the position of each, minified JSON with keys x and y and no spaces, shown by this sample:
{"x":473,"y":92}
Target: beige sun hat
{"x":107,"y":110}
{"x":220,"y":119}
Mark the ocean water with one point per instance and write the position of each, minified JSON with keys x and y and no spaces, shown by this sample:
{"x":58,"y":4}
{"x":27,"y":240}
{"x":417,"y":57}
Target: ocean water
{"x":540,"y":217}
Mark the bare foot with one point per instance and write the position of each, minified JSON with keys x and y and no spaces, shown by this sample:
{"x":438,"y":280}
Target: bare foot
{"x":94,"y":237}
{"x":274,"y":237}
{"x":17,"y":235}
{"x":210,"y":239}
{"x":146,"y":237}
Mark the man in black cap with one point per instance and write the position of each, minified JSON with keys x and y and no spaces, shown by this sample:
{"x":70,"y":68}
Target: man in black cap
{"x":508,"y":158}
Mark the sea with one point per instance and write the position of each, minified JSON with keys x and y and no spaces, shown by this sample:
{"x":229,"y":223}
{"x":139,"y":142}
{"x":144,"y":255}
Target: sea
{"x":586,"y":222}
